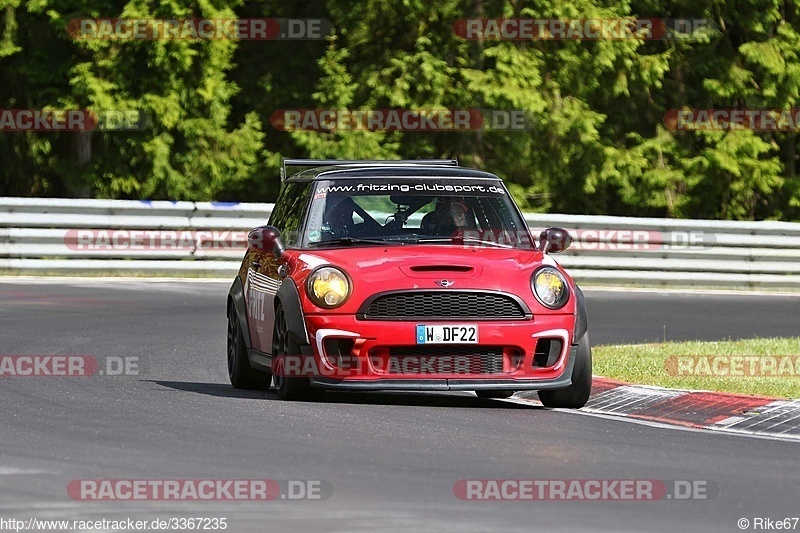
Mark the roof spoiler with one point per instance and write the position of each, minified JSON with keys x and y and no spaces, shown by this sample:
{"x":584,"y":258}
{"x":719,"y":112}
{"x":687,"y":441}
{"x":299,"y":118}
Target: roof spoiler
{"x":313,"y":163}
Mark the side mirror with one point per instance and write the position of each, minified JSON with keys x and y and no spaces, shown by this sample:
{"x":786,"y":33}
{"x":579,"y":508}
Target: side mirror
{"x":266,"y":239}
{"x":554,"y":240}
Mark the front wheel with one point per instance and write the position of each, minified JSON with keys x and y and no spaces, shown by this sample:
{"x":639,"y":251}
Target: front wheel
{"x":284,"y":346}
{"x":576,"y":395}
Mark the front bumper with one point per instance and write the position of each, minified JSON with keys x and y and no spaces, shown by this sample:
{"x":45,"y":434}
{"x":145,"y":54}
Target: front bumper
{"x":516,"y":339}
{"x":456,"y":384}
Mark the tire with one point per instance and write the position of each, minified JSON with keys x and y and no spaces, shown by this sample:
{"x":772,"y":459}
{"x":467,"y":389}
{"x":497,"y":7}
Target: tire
{"x":493,"y":394}
{"x":576,"y":395}
{"x":239,"y":371}
{"x":291,"y":388}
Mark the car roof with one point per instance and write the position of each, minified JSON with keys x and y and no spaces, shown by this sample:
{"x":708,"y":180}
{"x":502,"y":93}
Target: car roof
{"x":388,"y":170}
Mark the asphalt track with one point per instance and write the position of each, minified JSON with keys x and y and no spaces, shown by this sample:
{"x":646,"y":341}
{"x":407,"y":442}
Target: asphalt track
{"x":391,"y":460}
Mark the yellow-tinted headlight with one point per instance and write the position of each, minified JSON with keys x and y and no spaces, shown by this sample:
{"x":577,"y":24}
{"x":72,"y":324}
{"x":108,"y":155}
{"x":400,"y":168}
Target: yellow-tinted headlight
{"x":328,"y":287}
{"x":550,"y":287}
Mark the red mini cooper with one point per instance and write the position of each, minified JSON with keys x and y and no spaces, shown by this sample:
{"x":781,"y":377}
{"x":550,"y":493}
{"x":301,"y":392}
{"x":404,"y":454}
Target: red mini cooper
{"x":408,"y":276}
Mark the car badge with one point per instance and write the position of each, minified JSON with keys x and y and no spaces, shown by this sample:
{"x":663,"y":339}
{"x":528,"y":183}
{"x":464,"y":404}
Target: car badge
{"x":445,"y":283}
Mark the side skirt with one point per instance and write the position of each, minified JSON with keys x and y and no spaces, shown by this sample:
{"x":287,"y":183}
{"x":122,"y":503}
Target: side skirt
{"x":259,"y":360}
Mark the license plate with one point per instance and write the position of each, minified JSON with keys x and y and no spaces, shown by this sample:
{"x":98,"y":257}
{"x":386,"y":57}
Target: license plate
{"x":447,"y":334}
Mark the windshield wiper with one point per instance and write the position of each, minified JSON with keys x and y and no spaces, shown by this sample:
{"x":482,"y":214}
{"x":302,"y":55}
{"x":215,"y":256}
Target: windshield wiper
{"x":353,"y":240}
{"x":460,"y":240}
{"x":488,"y":243}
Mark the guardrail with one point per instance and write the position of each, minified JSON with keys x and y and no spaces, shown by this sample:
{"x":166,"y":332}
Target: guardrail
{"x":656,"y":251}
{"x":81,"y":236}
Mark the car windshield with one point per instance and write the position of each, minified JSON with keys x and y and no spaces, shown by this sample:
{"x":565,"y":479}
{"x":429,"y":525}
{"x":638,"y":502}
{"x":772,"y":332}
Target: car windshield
{"x":407,"y":211}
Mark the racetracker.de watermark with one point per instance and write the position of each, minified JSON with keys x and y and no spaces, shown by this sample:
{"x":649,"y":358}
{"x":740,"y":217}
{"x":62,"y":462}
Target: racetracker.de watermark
{"x":587,"y":29}
{"x":342,"y":366}
{"x":155,"y":240}
{"x":585,"y":489}
{"x":624,"y":239}
{"x":400,"y":119}
{"x":68,"y":366}
{"x":199,"y":489}
{"x":781,"y":366}
{"x":732,"y":119}
{"x":601,"y":239}
{"x":609,"y":239}
{"x":199,"y":29}
{"x":72,"y":120}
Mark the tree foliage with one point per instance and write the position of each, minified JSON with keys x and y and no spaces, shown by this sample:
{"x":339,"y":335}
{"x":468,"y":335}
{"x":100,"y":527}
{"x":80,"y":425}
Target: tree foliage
{"x":596,"y":142}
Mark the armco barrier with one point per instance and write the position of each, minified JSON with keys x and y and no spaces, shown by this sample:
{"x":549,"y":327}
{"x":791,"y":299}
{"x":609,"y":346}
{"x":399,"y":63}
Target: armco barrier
{"x":82,"y":236}
{"x":657,"y":251}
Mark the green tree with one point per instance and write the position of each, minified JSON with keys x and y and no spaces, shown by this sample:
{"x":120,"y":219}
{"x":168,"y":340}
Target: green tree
{"x":187,"y":151}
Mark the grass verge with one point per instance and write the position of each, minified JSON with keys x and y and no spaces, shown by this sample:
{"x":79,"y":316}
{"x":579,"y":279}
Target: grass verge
{"x":763,"y":367}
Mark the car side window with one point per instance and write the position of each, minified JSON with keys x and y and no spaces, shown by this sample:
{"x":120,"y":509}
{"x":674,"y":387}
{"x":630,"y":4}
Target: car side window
{"x":287,"y":215}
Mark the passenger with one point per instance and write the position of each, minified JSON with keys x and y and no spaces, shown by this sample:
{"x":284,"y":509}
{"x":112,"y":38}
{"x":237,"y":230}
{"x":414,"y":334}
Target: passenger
{"x":449,"y":216}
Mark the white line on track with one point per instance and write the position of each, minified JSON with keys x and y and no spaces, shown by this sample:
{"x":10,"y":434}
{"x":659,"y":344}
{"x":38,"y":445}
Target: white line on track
{"x":11,"y":471}
{"x":659,"y":425}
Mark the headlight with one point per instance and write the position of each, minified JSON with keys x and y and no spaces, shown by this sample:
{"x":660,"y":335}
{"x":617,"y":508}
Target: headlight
{"x":328,"y":287}
{"x":550,"y":287}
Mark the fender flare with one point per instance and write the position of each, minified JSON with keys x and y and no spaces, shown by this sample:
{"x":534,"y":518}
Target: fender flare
{"x":236,"y":297}
{"x":581,"y":317}
{"x":289,"y":297}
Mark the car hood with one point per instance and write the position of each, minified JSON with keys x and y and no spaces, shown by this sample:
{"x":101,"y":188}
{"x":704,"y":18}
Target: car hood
{"x":379,"y":269}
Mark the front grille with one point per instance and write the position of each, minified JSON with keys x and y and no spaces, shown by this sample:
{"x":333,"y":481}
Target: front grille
{"x":445,"y":360}
{"x":445,"y":305}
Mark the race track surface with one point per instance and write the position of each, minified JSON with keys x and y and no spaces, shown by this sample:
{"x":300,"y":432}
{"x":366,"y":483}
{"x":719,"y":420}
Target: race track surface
{"x":391,"y":460}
